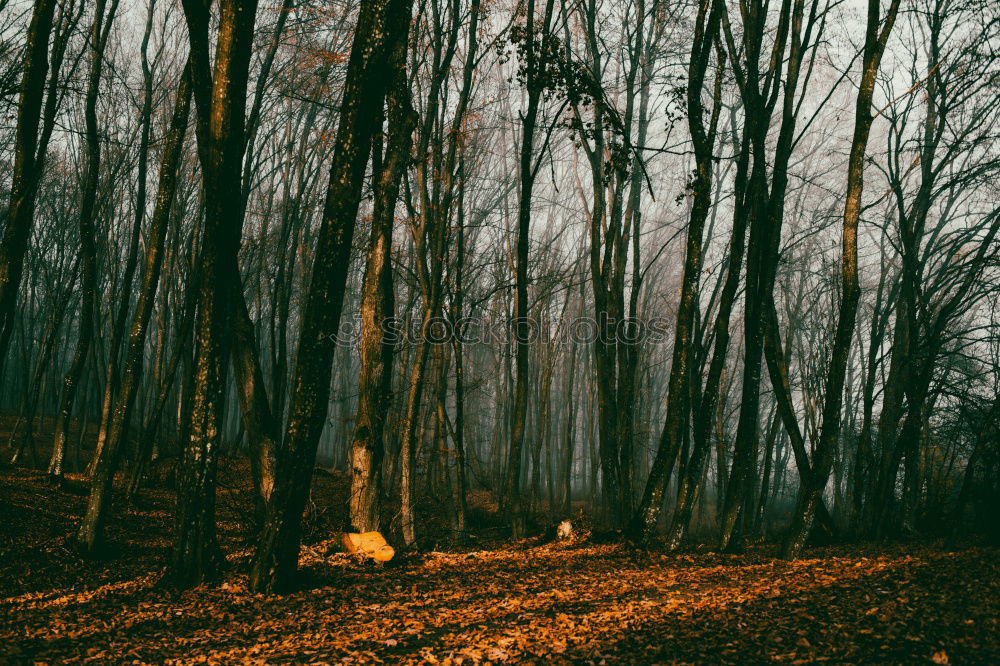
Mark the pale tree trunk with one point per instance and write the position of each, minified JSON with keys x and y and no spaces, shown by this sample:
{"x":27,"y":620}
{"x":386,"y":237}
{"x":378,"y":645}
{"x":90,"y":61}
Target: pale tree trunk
{"x":377,"y":305}
{"x":435,"y":181}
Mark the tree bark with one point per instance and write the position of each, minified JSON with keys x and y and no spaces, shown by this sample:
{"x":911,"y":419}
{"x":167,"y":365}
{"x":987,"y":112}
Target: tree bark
{"x":876,"y":36}
{"x":99,"y":32}
{"x":98,"y":504}
{"x":703,"y":138}
{"x":526,"y":176}
{"x":220,"y":100}
{"x":377,"y":305}
{"x":24,"y":184}
{"x":381,"y":25}
{"x":119,"y":319}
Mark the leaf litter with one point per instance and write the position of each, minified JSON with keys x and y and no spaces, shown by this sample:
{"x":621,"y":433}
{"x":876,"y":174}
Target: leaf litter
{"x":529,"y":602}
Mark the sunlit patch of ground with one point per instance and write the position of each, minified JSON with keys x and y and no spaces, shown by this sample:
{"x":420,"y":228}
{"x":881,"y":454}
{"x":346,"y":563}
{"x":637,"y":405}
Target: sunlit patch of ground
{"x":570,"y":603}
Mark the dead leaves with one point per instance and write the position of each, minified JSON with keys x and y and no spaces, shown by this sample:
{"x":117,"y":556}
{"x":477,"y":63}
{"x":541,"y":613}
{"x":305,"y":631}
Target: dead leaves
{"x":940,"y":657}
{"x":549,"y":604}
{"x":505,"y":606}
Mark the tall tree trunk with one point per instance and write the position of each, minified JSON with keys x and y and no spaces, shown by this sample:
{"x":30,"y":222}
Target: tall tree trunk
{"x":99,"y":32}
{"x":435,"y":181}
{"x":377,"y":306}
{"x":261,"y":417}
{"x":711,"y":403}
{"x":119,"y":319}
{"x":18,"y":440}
{"x":24,"y":184}
{"x":457,"y":304}
{"x":876,"y":36}
{"x":777,"y":365}
{"x":381,"y":25}
{"x":703,"y":137}
{"x":108,"y":456}
{"x":526,"y":176}
{"x":758,"y":88}
{"x":220,"y":100}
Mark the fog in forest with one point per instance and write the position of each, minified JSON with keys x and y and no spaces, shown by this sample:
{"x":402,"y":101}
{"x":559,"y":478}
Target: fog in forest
{"x":547,"y":283}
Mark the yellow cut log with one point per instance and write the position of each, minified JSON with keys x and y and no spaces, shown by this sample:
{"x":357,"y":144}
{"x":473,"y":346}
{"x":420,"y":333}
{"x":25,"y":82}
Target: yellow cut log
{"x":369,"y":544}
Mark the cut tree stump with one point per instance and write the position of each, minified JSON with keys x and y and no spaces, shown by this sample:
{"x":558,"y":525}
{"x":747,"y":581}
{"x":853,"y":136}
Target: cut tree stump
{"x":370,"y":545}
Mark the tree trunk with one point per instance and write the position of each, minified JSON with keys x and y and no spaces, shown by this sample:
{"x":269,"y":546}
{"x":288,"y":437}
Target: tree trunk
{"x":24,"y":184}
{"x":377,"y":306}
{"x":812,"y":488}
{"x":220,"y":99}
{"x":99,"y":33}
{"x":526,"y":175}
{"x":108,"y":456}
{"x":381,"y":25}
{"x":119,"y":319}
{"x":647,"y":515}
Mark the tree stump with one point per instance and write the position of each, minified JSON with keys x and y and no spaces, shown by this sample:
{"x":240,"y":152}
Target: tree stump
{"x":368,"y":545}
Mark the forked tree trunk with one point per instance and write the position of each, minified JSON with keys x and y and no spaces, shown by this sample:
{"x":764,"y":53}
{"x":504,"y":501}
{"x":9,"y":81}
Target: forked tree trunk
{"x":377,"y":305}
{"x":876,"y":36}
{"x":797,"y":32}
{"x":220,"y":99}
{"x":99,"y":32}
{"x":435,"y":183}
{"x":703,"y":137}
{"x":257,"y":409}
{"x":119,"y":319}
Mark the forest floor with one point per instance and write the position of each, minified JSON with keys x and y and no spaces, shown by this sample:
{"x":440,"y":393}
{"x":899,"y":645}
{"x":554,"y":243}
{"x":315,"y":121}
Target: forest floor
{"x":567,"y":602}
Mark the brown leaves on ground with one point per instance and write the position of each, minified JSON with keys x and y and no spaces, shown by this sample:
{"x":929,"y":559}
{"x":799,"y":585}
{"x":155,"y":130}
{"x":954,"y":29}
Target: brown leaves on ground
{"x":574,"y":603}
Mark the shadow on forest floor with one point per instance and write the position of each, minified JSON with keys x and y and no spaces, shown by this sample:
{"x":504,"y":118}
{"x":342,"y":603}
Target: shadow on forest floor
{"x":565,"y":602}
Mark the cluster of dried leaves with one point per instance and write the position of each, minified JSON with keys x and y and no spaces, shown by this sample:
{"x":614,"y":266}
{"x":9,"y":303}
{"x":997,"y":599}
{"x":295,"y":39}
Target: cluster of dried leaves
{"x":559,"y":602}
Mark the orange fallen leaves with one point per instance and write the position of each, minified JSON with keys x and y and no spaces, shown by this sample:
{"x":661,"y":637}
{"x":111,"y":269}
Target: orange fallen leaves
{"x":556,"y":603}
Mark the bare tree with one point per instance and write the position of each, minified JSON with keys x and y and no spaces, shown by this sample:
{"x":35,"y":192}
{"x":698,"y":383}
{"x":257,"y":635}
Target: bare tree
{"x":28,"y":152}
{"x":878,"y":28}
{"x":220,"y":101}
{"x":380,"y":26}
